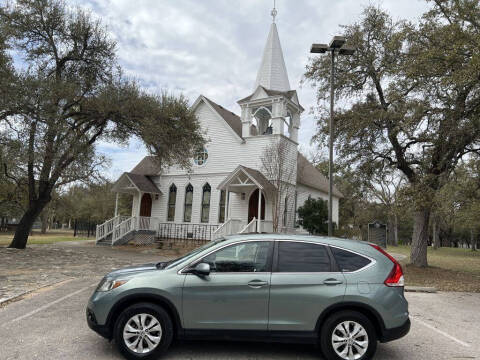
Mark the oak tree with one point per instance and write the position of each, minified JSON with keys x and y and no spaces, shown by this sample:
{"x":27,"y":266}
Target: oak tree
{"x":410,"y":96}
{"x":66,"y":93}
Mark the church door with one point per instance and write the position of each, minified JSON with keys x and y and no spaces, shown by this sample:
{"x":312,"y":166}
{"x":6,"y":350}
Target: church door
{"x":146,"y":205}
{"x":253,"y":206}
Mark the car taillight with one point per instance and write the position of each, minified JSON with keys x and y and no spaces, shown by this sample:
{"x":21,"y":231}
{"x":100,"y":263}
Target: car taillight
{"x":395,"y":278}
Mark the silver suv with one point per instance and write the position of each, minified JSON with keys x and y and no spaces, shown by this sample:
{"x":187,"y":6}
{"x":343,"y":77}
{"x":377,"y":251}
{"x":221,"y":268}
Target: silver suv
{"x":341,"y":294}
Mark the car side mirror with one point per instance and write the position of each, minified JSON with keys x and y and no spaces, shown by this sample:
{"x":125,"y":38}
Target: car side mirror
{"x":202,"y":269}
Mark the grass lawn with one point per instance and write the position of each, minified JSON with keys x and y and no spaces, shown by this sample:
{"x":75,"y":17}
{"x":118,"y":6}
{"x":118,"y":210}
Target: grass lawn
{"x":450,"y":269}
{"x":38,"y":238}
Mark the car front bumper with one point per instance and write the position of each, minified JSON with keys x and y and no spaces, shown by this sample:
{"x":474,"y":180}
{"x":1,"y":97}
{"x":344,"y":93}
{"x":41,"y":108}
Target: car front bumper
{"x":102,"y":330}
{"x":395,"y":333}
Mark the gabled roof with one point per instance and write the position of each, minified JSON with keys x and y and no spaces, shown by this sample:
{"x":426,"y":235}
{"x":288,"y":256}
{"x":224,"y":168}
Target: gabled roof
{"x":129,"y":181}
{"x":290,"y":94}
{"x":232,"y":119}
{"x":272,"y":73}
{"x":147,"y":166}
{"x":259,"y":178}
{"x":255,"y":176}
{"x":309,"y":175}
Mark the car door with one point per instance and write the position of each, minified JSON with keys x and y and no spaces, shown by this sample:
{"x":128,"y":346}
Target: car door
{"x":304,"y":282}
{"x":235,"y":294}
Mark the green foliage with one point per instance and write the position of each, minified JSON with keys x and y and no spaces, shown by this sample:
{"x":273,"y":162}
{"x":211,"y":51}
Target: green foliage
{"x":70,"y":95}
{"x":457,"y":205}
{"x":93,"y":203}
{"x":413,"y":95}
{"x":314,"y":216}
{"x":414,"y":110}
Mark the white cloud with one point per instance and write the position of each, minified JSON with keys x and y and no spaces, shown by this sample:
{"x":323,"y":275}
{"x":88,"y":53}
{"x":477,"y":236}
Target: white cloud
{"x":214,"y":47}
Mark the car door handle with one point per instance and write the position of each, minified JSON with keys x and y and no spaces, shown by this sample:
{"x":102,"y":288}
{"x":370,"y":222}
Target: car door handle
{"x":257,"y":284}
{"x":332,"y":282}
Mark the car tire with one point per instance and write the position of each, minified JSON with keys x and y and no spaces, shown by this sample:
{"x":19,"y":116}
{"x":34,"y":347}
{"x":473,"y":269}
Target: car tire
{"x":346,"y":333}
{"x":148,"y":325}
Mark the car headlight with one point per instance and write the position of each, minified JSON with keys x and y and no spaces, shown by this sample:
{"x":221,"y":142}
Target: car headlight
{"x":110,"y":284}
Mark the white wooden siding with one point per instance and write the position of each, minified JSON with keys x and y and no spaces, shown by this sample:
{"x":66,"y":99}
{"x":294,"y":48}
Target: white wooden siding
{"x":304,"y":191}
{"x":226,"y":151}
{"x":238,"y":207}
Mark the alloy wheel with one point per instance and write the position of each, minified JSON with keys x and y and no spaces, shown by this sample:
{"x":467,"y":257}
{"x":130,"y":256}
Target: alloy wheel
{"x":350,"y":340}
{"x":142,"y":333}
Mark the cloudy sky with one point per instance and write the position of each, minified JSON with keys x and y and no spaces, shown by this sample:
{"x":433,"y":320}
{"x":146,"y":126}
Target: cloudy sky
{"x":214,"y":47}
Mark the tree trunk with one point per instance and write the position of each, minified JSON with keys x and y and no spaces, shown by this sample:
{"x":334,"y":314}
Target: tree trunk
{"x":395,"y":230}
{"x":391,"y":232}
{"x":44,"y":218}
{"x":26,"y":223}
{"x":418,"y":254}
{"x":473,"y":241}
{"x":436,"y":238}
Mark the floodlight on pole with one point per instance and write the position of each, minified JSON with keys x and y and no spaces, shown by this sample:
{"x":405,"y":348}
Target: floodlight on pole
{"x":337,"y":42}
{"x":336,"y":46}
{"x":319,"y":48}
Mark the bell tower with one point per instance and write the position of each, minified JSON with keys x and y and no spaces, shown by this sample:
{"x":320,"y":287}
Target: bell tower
{"x":273,"y":108}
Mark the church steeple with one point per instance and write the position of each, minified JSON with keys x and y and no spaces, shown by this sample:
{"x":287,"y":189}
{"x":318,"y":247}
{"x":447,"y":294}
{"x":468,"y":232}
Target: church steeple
{"x":273,"y":73}
{"x":273,"y":108}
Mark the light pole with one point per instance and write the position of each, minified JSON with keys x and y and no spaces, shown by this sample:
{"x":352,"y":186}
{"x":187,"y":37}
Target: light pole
{"x":336,"y":46}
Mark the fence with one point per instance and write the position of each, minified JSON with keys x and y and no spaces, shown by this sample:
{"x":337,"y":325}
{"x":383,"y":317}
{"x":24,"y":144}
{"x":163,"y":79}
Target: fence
{"x":186,"y":232}
{"x":84,"y":228}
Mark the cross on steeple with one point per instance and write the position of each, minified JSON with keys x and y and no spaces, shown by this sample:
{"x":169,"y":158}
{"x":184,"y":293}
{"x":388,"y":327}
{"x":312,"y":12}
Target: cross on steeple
{"x":274,"y":11}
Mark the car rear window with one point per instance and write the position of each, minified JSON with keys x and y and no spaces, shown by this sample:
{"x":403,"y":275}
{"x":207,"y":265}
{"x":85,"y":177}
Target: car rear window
{"x":302,"y":257}
{"x":349,"y":261}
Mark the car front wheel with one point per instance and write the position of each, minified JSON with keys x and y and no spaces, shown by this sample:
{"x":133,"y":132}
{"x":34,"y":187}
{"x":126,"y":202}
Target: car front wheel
{"x":143,"y":331}
{"x":348,"y":335}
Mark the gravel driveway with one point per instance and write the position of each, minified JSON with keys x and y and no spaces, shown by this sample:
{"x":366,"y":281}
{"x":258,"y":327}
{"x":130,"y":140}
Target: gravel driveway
{"x":42,"y":265}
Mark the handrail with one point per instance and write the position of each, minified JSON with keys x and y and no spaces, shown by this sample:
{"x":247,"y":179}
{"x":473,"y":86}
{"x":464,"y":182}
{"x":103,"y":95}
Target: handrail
{"x":105,"y":229}
{"x":123,"y":229}
{"x":222,"y":230}
{"x":250,"y":227}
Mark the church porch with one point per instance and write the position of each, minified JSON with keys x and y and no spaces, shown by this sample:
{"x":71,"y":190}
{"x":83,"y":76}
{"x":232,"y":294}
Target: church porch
{"x":247,"y":203}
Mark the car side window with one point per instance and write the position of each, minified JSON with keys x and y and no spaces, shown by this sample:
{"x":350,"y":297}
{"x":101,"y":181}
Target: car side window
{"x":348,"y":261}
{"x":244,"y":257}
{"x":302,"y":257}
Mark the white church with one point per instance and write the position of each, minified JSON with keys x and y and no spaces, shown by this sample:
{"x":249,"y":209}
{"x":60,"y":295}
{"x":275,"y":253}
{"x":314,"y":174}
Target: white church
{"x":231,"y":186}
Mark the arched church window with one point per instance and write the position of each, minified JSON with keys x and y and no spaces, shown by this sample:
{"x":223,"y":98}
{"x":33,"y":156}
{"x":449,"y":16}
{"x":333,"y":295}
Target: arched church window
{"x":187,"y":209}
{"x":205,"y":213}
{"x":201,"y":157}
{"x":221,"y":210}
{"x":172,"y":200}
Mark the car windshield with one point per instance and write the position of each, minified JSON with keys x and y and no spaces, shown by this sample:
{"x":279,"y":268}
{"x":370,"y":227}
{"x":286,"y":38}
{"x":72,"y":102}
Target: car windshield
{"x":172,"y":263}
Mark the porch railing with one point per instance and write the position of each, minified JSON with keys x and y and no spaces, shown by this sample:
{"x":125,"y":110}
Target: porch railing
{"x":186,"y":231}
{"x":231,"y":226}
{"x":123,"y":229}
{"x":121,"y":226}
{"x":105,"y":229}
{"x":221,"y":230}
{"x":250,"y":227}
{"x":147,"y":223}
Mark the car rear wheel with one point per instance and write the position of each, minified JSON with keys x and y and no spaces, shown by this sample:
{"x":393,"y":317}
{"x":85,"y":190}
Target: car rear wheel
{"x":143,"y":331}
{"x":348,"y":335}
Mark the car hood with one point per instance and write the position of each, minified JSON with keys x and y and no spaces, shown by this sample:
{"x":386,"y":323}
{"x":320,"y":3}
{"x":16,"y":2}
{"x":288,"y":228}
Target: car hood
{"x":133,"y":270}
